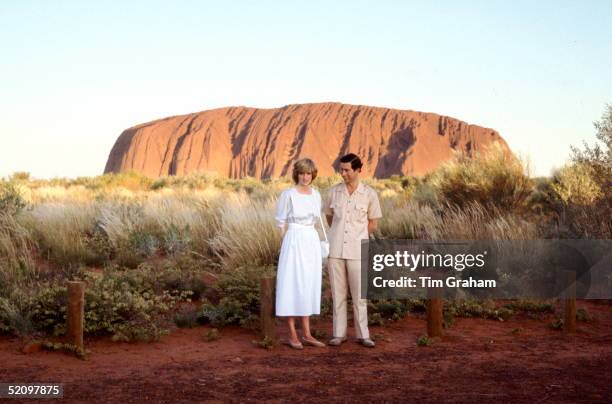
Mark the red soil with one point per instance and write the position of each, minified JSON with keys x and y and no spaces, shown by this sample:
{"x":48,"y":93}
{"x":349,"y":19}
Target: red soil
{"x":476,"y":360}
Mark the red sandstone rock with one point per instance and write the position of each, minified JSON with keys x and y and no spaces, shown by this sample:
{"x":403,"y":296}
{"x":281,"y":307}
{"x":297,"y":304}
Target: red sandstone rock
{"x":239,"y":141}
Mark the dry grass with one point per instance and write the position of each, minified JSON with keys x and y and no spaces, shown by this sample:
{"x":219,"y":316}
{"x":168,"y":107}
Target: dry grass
{"x":17,"y":266}
{"x":247,"y":234}
{"x":58,"y":229}
{"x":411,"y":220}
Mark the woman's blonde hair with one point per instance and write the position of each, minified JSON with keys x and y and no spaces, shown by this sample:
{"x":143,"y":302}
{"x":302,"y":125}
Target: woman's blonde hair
{"x":304,"y":165}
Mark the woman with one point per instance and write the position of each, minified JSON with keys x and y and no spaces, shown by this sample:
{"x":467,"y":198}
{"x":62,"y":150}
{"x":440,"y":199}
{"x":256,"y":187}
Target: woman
{"x":298,"y":280}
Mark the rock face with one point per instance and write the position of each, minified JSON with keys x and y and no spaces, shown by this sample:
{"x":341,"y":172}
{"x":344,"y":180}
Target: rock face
{"x":238,"y":141}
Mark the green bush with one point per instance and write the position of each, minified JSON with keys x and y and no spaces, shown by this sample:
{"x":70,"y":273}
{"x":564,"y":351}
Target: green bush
{"x":392,"y":309}
{"x":424,"y":340}
{"x":239,"y":303}
{"x":175,"y":240}
{"x":13,"y":317}
{"x":100,"y":248}
{"x":531,"y":306}
{"x":130,"y":305}
{"x":187,"y":319}
{"x":476,"y":308}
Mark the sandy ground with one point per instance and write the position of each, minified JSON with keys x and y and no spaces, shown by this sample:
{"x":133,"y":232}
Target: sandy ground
{"x":476,"y":360}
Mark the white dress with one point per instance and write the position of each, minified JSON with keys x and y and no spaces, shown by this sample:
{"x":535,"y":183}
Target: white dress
{"x":298,"y":279}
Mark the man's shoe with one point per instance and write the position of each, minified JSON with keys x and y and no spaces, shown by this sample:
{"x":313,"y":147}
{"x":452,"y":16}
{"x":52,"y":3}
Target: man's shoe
{"x":337,"y":341}
{"x":367,"y":342}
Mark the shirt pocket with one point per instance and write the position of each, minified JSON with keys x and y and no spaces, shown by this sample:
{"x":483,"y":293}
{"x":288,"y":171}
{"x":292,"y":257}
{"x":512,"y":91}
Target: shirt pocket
{"x":359,"y":212}
{"x":337,"y":209}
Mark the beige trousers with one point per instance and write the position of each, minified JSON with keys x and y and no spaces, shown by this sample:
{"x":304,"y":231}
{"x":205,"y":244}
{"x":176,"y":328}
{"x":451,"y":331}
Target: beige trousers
{"x":341,"y":272}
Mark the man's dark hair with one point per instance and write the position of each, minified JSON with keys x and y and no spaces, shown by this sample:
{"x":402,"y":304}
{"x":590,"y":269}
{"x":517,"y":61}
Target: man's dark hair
{"x":353,"y":159}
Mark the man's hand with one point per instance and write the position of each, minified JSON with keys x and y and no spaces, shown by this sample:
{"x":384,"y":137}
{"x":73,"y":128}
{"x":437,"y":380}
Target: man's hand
{"x":372,"y":223}
{"x":282,"y":230}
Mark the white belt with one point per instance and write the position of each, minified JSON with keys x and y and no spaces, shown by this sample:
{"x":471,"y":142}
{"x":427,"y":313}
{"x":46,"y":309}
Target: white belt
{"x":301,"y":226}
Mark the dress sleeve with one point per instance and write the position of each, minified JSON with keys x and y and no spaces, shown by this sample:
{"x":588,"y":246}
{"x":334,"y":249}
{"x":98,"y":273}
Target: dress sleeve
{"x":282,"y":209}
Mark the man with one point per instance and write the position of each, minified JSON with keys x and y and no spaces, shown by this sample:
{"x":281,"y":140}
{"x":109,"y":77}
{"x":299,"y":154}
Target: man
{"x":352,"y":210}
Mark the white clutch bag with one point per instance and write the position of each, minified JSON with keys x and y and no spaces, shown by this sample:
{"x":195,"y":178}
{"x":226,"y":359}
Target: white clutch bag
{"x":324,"y":243}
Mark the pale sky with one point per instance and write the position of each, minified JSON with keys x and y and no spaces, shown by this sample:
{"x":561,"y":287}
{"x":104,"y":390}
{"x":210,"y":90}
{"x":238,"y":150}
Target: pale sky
{"x":75,"y":74}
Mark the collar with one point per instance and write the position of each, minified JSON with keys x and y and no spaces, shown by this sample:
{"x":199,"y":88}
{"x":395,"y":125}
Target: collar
{"x":312,"y":190}
{"x":360,"y":188}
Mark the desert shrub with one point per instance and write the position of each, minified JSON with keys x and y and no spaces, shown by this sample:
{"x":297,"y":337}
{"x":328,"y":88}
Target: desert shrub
{"x":187,"y":318}
{"x":543,"y":201}
{"x":159,"y":183}
{"x":265,"y":343}
{"x":239,"y":303}
{"x":494,"y":178}
{"x":599,"y":156}
{"x":383,"y":311}
{"x":474,"y":308}
{"x":488,"y":309}
{"x":193,"y":180}
{"x":424,"y":340}
{"x":131,"y":305}
{"x":393,"y":309}
{"x":586,"y":186}
{"x":14,"y":317}
{"x":23,"y":176}
{"x":131,"y":180}
{"x":99,"y":246}
{"x":132,"y":240}
{"x":575,"y":184}
{"x":187,"y":280}
{"x":531,"y":306}
{"x":11,"y":200}
{"x":47,"y":308}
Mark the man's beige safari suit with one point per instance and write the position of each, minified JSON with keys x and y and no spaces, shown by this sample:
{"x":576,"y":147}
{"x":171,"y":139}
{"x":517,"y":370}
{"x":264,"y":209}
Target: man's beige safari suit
{"x":349,"y":227}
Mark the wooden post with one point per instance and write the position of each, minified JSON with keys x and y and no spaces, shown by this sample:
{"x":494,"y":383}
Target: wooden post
{"x":434,"y":310}
{"x":266,"y":301}
{"x":569,"y":321}
{"x":76,"y":313}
